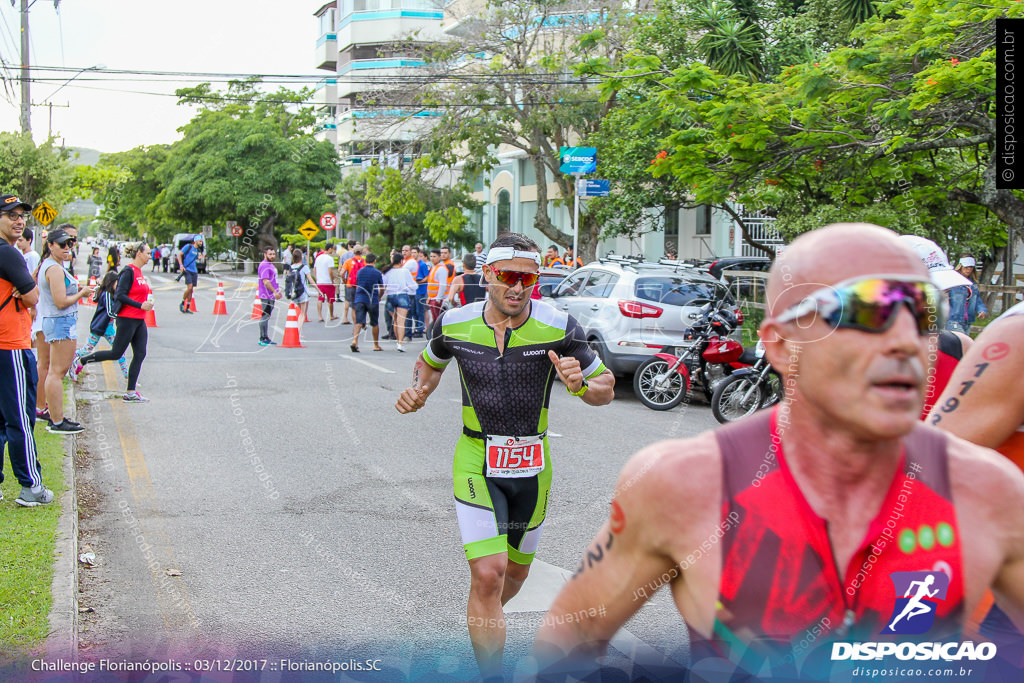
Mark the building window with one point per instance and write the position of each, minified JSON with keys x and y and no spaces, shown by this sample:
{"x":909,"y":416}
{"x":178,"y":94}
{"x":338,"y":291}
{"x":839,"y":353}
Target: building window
{"x":672,"y":229}
{"x":327,"y":21}
{"x":504,"y":212}
{"x":703,"y":220}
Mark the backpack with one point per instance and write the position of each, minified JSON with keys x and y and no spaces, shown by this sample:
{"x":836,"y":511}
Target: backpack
{"x":293,"y":284}
{"x":353,"y":273}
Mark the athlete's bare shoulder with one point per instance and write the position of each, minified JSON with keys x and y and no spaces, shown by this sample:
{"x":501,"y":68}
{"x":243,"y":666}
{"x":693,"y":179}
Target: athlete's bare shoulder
{"x":673,"y":485}
{"x":983,"y":478}
{"x":988,"y":492}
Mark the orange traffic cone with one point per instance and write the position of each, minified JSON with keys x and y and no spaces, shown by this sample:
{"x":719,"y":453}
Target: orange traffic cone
{"x":89,"y":301}
{"x":192,"y":304}
{"x":219,"y":306}
{"x":151,"y":318}
{"x":257,"y":307}
{"x":291,"y":329}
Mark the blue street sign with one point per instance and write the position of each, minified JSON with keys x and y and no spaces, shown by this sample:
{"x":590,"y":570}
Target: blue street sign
{"x":587,"y":187}
{"x":578,"y":159}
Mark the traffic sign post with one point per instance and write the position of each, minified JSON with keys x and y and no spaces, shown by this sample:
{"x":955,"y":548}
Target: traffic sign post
{"x":44,"y":213}
{"x":587,"y":187}
{"x":236,"y":230}
{"x":309,"y":230}
{"x":578,"y":161}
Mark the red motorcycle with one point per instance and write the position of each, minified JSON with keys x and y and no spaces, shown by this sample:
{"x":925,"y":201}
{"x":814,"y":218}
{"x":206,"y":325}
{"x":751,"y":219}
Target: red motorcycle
{"x":662,"y":381}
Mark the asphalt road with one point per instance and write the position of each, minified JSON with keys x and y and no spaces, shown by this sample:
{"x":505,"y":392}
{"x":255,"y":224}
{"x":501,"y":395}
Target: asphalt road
{"x":271,"y":501}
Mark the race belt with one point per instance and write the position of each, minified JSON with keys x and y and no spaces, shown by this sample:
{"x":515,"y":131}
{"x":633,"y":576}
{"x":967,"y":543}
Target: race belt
{"x":511,"y":457}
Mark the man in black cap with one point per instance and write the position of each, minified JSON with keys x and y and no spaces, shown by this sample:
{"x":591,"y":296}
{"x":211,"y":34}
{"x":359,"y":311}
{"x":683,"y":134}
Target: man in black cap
{"x":18,"y":293}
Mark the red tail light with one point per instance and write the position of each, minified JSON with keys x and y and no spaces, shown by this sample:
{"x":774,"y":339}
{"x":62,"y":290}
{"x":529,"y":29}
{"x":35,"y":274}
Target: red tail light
{"x":635,"y":309}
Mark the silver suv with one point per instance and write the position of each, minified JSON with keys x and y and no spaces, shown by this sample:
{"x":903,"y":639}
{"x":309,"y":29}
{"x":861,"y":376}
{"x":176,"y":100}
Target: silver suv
{"x":630,"y":310}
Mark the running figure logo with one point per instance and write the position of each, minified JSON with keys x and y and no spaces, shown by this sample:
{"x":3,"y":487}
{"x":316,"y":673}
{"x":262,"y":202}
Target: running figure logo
{"x":918,"y":595}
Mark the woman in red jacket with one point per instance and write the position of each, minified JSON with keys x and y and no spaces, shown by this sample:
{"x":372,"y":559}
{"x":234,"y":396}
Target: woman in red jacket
{"x":134,"y":297}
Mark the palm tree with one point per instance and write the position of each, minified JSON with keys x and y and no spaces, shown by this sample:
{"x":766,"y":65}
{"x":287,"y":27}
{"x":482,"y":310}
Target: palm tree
{"x":731,"y":43}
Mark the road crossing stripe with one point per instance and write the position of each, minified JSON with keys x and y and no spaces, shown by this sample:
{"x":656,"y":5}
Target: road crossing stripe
{"x":368,"y":364}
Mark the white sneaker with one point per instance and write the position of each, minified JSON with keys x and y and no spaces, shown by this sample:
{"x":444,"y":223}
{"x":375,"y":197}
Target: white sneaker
{"x":401,"y":347}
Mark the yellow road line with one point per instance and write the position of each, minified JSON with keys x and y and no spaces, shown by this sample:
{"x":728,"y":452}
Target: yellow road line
{"x":174,"y":615}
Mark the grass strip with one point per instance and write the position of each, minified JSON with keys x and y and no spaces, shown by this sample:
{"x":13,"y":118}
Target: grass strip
{"x":27,"y":541}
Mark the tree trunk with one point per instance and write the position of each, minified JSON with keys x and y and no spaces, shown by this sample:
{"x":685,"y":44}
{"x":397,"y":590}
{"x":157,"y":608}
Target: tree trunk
{"x":541,"y":219}
{"x":264,"y":239}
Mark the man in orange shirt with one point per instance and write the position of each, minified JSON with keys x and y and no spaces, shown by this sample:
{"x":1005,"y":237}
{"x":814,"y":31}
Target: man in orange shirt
{"x":18,"y":293}
{"x":348,"y":280}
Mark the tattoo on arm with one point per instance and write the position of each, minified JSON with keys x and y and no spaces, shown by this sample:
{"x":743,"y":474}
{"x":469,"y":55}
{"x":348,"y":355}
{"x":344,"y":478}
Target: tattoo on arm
{"x":952,"y":403}
{"x":416,"y":372}
{"x":616,"y":524}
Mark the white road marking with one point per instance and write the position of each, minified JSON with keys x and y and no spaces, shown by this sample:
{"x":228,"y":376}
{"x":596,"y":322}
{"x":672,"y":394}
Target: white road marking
{"x":368,"y":364}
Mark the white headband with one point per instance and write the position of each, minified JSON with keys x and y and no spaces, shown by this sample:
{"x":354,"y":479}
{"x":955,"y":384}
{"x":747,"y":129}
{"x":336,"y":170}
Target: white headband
{"x":507,"y":253}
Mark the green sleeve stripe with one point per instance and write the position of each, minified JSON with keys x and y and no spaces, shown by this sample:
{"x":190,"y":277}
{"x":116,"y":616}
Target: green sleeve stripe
{"x":433,"y":361}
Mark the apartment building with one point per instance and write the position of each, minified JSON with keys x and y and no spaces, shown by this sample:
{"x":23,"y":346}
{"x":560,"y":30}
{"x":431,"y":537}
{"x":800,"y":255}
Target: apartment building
{"x":364,"y":44}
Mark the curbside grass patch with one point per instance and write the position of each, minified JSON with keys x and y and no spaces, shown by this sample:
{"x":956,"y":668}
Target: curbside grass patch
{"x":27,"y":542}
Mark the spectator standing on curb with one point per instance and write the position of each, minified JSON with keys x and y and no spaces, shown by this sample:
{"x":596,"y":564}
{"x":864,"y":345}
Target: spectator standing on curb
{"x":268,"y":292}
{"x":401,"y":288}
{"x":303,"y":284}
{"x":366,"y":301}
{"x":437,"y":285}
{"x":156,"y":259}
{"x":469,"y":286}
{"x":418,"y":327}
{"x":24,"y":245}
{"x":58,"y":307}
{"x":18,"y":293}
{"x":72,"y":231}
{"x":965,"y":304}
{"x":187,"y":258}
{"x":132,"y":299}
{"x":552,"y":259}
{"x":323,"y":268}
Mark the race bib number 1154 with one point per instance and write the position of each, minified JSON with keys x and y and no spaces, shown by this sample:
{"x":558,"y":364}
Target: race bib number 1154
{"x":513,"y":457}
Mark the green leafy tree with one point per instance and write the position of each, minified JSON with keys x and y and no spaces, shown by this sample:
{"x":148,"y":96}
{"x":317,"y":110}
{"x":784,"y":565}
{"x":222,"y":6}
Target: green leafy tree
{"x":125,"y":185}
{"x":35,"y":172}
{"x":398,"y":207}
{"x":504,"y":87}
{"x":897,"y":128}
{"x":247,"y":156}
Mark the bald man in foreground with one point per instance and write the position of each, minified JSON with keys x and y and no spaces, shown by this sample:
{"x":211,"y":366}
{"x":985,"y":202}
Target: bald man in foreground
{"x":787,"y":530}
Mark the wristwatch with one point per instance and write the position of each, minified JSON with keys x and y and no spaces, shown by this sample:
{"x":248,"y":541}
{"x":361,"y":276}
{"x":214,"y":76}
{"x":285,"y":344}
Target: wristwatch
{"x":582,"y":390}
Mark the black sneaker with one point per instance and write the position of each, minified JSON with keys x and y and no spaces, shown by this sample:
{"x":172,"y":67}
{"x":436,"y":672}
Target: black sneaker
{"x":181,"y":307}
{"x":65,"y":426}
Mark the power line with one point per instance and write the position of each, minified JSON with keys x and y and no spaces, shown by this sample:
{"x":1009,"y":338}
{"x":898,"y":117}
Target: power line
{"x":223,"y":98}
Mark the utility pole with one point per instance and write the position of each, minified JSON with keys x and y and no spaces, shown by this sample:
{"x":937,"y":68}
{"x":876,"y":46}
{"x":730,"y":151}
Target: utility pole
{"x":26,"y":95}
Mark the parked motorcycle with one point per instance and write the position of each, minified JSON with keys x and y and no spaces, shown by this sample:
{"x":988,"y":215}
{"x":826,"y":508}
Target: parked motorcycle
{"x":662,"y":381}
{"x":747,"y":390}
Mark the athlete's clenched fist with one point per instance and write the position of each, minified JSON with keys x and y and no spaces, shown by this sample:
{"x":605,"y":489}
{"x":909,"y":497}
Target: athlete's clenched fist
{"x":569,"y":370}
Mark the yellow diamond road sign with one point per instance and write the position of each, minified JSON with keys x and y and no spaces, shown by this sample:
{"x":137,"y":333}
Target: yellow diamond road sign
{"x":309,"y":229}
{"x":44,"y":213}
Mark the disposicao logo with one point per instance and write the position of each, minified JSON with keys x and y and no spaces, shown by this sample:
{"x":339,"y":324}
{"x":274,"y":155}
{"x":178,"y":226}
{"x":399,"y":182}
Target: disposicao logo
{"x":917,"y":600}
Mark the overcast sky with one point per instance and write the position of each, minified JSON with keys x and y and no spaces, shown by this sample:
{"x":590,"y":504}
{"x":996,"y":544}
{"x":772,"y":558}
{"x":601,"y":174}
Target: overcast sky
{"x":243,"y":36}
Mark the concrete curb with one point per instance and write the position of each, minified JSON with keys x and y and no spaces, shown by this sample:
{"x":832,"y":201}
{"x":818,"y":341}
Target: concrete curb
{"x":63,"y":639}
